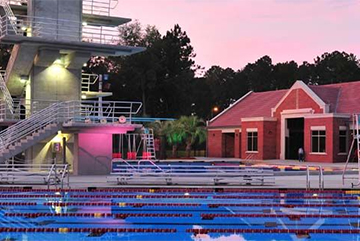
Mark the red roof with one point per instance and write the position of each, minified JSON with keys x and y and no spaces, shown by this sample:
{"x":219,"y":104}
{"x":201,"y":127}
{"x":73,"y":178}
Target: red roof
{"x":254,"y":105}
{"x":343,"y":98}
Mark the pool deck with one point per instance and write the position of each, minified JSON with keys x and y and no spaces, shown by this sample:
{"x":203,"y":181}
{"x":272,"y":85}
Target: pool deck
{"x":294,"y":178}
{"x":293,"y":181}
{"x":288,"y":174}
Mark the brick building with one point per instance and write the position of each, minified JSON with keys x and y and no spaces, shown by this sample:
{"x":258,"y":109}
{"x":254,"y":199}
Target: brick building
{"x":274,"y":124}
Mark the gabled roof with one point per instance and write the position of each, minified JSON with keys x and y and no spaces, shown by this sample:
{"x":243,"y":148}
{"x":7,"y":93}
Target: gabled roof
{"x":253,"y":105}
{"x":301,"y":85}
{"x":342,"y":98}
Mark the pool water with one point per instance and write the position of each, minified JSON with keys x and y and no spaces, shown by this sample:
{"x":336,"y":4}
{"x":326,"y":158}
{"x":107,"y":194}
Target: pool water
{"x":179,"y":214}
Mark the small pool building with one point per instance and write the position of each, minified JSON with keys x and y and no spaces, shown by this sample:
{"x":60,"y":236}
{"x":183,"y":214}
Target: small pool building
{"x":275,"y":124}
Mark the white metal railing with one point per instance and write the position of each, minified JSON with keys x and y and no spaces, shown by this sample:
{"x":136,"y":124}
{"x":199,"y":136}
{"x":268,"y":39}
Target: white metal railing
{"x":6,"y":94}
{"x":99,"y":7}
{"x":83,"y":111}
{"x":49,"y":174}
{"x":100,"y":34}
{"x":96,"y":7}
{"x":149,"y":143}
{"x":22,"y":109}
{"x":355,"y":145}
{"x":321,"y":178}
{"x":68,"y":112}
{"x":16,"y":2}
{"x":9,"y":15}
{"x":58,"y":29}
{"x":88,"y":80}
{"x":26,"y":127}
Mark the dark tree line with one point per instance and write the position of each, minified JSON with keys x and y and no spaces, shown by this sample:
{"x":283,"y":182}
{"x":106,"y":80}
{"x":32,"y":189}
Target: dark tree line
{"x":164,"y":76}
{"x":165,"y":79}
{"x":226,"y":85}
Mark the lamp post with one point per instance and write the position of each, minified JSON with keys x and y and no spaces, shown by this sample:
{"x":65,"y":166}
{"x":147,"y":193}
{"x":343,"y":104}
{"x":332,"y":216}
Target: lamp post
{"x":214,"y":111}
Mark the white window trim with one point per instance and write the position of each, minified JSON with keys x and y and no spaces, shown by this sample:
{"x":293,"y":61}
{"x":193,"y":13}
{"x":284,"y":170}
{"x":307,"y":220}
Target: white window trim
{"x":251,"y":129}
{"x":342,"y":128}
{"x":250,"y":152}
{"x":318,"y":128}
{"x":318,"y":153}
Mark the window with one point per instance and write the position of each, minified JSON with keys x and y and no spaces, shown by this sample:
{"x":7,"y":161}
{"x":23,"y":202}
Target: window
{"x":318,"y":139}
{"x":342,"y":141}
{"x":252,"y":141}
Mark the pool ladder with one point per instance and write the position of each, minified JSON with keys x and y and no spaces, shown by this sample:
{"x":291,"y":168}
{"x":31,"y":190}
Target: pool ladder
{"x":321,"y":178}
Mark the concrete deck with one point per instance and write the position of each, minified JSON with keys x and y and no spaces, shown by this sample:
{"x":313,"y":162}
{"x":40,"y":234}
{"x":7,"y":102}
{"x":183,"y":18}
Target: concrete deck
{"x":293,"y":181}
{"x":283,"y":179}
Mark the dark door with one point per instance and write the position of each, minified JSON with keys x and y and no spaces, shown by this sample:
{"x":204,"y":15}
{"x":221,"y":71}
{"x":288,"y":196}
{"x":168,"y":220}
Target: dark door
{"x":228,"y":144}
{"x":295,"y":140}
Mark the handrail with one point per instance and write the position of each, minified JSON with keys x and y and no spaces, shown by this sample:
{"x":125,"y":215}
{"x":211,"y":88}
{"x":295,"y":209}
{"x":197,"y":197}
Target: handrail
{"x":128,"y":164}
{"x":6,"y":94}
{"x":110,"y":110}
{"x":64,"y":112}
{"x":98,"y":7}
{"x":308,"y":178}
{"x":9,"y":14}
{"x":65,"y":172}
{"x":58,"y":29}
{"x":347,"y":161}
{"x":356,"y":137}
{"x":152,"y":164}
{"x":87,"y":80}
{"x":50,"y":174}
{"x":321,"y":178}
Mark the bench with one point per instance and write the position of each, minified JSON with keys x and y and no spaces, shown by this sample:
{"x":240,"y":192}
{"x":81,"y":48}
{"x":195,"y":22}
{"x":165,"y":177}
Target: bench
{"x":191,"y":175}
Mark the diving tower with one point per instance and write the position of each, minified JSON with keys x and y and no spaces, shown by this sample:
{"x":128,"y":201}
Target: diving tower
{"x":50,"y":109}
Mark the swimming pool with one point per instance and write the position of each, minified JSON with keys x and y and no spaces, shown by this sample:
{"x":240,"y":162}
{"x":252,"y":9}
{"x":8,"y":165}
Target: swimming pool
{"x":179,"y":214}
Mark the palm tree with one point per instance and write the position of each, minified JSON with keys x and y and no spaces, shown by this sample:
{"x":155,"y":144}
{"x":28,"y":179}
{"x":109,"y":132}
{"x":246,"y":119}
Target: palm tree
{"x":174,"y":135}
{"x":191,"y":129}
{"x":160,"y":131}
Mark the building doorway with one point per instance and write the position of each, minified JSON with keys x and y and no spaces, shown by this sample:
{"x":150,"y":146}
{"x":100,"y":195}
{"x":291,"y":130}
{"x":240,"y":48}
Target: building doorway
{"x":294,"y":138}
{"x":228,"y":145}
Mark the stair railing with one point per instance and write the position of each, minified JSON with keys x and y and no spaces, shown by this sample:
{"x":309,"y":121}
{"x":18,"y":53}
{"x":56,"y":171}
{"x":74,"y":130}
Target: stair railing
{"x":56,"y":113}
{"x":355,"y":144}
{"x":87,"y":80}
{"x":10,"y":15}
{"x":6,"y":94}
{"x":28,"y":126}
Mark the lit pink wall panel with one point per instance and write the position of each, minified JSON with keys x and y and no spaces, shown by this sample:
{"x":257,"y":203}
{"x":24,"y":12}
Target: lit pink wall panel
{"x":95,"y":153}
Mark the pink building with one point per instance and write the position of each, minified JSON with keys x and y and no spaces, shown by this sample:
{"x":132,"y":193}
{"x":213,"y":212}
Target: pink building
{"x":275,"y":124}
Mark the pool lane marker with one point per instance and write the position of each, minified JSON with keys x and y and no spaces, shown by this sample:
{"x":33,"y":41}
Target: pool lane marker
{"x":274,"y":231}
{"x":87,"y":230}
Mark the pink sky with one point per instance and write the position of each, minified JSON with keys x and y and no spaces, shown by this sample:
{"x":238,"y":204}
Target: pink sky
{"x":232,"y":33}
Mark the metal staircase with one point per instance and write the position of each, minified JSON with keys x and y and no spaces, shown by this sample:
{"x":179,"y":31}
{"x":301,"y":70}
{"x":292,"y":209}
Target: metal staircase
{"x":44,"y":122}
{"x":10,"y":15}
{"x":6,"y":94}
{"x":354,"y":150}
{"x":13,"y":22}
{"x":27,"y":132}
{"x":148,"y":139}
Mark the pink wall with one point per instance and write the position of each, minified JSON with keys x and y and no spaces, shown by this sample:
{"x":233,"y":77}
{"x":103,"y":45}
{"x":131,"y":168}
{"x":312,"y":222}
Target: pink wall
{"x":94,"y":154}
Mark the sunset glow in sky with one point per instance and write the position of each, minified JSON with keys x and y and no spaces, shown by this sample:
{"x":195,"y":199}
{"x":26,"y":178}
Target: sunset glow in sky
{"x":232,"y":33}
